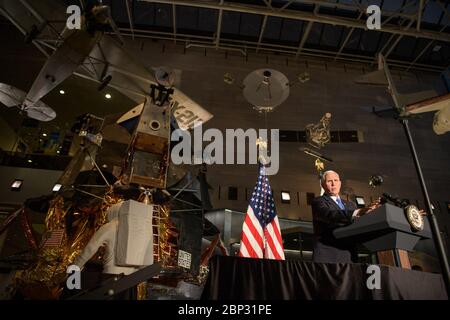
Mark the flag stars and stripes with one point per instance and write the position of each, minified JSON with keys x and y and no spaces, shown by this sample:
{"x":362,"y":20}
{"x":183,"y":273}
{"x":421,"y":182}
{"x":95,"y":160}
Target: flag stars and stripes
{"x":261,"y":224}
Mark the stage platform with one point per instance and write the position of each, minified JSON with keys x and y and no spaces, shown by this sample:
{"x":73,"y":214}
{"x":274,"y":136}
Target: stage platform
{"x":235,"y":278}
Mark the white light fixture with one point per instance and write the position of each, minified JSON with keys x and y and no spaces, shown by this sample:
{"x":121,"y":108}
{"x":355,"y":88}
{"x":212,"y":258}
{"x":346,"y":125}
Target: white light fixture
{"x":16,"y":185}
{"x":360,"y":201}
{"x":285,"y":197}
{"x":62,"y":92}
{"x":30,"y":161}
{"x":436,"y":48}
{"x":44,"y":134}
{"x":57,"y":187}
{"x":108,"y":96}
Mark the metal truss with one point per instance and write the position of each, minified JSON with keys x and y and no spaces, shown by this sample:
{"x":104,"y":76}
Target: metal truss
{"x":412,"y":26}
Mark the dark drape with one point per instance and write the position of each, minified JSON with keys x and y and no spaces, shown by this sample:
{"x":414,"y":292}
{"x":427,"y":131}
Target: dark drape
{"x":260,"y":279}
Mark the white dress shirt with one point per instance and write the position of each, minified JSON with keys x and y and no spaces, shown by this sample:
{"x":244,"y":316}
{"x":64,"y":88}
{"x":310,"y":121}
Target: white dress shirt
{"x":355,"y":213}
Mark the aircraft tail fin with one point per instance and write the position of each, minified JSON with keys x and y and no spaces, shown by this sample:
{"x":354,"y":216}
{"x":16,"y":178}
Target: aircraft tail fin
{"x":375,"y":78}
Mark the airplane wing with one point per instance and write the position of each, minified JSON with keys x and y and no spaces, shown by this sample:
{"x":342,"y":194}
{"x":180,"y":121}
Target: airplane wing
{"x":130,"y":76}
{"x":433,"y":104}
{"x":406,"y":99}
{"x":61,"y":64}
{"x":42,"y":23}
{"x":11,"y":96}
{"x":108,"y":62}
{"x":441,"y":104}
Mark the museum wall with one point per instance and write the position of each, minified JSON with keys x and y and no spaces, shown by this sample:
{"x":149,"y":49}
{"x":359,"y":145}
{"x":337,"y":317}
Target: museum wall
{"x":36,"y":183}
{"x":382,"y":148}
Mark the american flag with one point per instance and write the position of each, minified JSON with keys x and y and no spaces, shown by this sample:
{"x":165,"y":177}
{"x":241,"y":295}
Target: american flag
{"x":54,"y":239}
{"x":261,"y":236}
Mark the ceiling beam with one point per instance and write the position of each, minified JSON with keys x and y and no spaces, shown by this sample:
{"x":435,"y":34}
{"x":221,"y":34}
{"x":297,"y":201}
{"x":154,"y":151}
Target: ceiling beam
{"x":286,"y":5}
{"x":174,"y":22}
{"x":400,"y":37}
{"x":261,"y":32}
{"x":347,"y":38}
{"x":424,"y":50}
{"x":269,"y":4}
{"x":420,"y":54}
{"x":444,"y":9}
{"x":306,"y":33}
{"x":24,"y":32}
{"x":130,"y":19}
{"x":419,"y":13}
{"x":263,"y":25}
{"x":234,"y":44}
{"x":397,"y":12}
{"x":32,"y":11}
{"x":392,"y":36}
{"x":303,"y":16}
{"x":345,"y":6}
{"x":219,"y":26}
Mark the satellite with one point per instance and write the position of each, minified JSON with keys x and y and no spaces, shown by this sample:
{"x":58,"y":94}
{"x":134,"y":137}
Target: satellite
{"x":318,"y":134}
{"x":266,"y":89}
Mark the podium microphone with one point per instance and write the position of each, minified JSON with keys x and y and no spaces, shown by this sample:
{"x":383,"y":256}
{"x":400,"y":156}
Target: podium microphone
{"x":402,"y":203}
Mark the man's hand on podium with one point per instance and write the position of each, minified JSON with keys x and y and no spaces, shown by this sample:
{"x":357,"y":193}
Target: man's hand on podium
{"x":372,"y":206}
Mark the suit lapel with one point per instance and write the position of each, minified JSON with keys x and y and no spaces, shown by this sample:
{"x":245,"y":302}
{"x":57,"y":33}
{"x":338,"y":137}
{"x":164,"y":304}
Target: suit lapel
{"x":333,"y":203}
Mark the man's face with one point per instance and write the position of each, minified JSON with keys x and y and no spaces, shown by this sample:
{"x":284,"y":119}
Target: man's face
{"x":332,"y":184}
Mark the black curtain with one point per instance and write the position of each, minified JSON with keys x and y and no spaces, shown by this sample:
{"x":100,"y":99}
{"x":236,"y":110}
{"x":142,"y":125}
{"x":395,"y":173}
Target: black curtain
{"x":235,"y":278}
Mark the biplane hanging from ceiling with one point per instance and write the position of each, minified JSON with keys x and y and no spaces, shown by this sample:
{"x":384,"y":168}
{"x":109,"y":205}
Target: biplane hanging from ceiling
{"x":96,"y":52}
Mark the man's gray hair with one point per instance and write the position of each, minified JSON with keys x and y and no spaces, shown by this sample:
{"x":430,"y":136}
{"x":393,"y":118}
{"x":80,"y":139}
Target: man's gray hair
{"x":324,"y":175}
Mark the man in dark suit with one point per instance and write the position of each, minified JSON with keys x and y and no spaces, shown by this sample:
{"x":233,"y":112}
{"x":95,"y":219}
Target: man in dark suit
{"x":330,"y":212}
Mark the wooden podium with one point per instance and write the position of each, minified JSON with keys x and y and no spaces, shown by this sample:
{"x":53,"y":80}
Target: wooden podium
{"x":387,"y":232}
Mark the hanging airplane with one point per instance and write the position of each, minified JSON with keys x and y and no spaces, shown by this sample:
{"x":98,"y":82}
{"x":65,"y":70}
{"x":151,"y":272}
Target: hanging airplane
{"x":96,"y":51}
{"x":131,"y":150}
{"x":412,"y":103}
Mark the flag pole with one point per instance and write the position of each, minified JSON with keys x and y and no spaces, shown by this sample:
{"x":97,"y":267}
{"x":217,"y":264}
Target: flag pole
{"x":320,"y":167}
{"x":265,"y":211}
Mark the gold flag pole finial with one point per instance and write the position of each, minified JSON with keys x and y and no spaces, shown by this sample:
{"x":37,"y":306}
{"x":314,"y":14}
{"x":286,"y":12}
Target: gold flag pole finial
{"x":319,"y":165}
